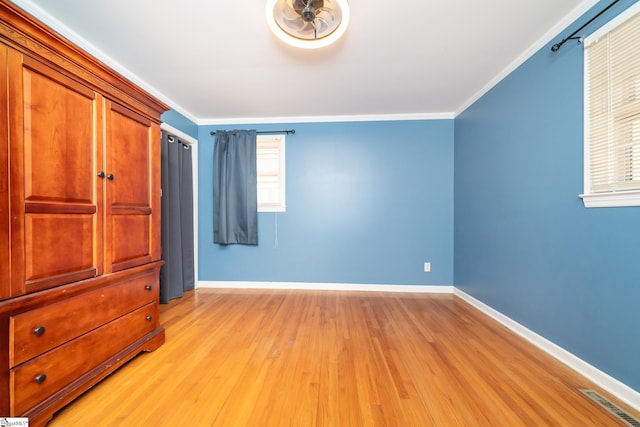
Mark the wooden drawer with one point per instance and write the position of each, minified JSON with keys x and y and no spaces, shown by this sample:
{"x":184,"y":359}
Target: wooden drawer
{"x":39,"y":378}
{"x":37,"y":331}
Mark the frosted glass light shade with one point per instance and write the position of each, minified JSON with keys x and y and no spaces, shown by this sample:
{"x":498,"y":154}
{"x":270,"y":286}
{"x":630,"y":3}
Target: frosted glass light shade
{"x":308,"y":24}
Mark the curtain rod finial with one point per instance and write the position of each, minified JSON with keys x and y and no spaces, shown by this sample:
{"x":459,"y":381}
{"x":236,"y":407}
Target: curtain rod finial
{"x":556,"y":47}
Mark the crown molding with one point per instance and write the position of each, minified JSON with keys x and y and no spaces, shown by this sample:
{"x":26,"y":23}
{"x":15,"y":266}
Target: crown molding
{"x":328,"y":119}
{"x":75,"y":38}
{"x":66,"y":32}
{"x":569,"y":19}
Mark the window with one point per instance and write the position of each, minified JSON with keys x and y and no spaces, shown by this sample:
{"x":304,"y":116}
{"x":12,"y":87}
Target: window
{"x":612,"y":113}
{"x":271,"y":173}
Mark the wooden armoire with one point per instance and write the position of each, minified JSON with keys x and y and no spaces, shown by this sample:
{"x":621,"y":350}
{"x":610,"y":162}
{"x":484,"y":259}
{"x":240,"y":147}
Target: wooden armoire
{"x":79,"y":219}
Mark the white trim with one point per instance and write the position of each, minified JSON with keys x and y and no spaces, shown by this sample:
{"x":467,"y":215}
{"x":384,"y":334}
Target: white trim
{"x":608,"y":199}
{"x":587,"y":200}
{"x":281,"y":205}
{"x":611,"y":25}
{"x":193,"y":143}
{"x":194,"y":170}
{"x":71,"y":35}
{"x":66,"y":32}
{"x":175,"y":106}
{"x":74,"y":37}
{"x":327,"y":119}
{"x":326,"y":287}
{"x":576,"y":13}
{"x":616,"y":199}
{"x":620,"y":390}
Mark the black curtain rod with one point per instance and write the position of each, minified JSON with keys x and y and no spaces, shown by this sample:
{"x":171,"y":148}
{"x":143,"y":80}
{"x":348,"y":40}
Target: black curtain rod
{"x":267,"y":132}
{"x":556,"y":47}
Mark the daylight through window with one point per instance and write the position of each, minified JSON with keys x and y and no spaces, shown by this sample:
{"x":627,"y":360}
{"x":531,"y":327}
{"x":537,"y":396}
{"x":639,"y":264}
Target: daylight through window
{"x":270,"y":156}
{"x":612,"y":113}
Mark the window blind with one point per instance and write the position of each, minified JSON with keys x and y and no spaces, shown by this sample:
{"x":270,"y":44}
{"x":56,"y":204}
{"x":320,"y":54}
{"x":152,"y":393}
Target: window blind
{"x":270,"y":173}
{"x":612,"y":63}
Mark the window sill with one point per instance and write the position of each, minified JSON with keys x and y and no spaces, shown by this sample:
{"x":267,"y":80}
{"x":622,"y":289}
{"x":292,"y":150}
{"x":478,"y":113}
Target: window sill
{"x":271,"y":209}
{"x":611,"y":200}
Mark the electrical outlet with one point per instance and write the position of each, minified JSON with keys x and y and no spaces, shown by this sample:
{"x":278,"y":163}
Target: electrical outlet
{"x":427,"y":267}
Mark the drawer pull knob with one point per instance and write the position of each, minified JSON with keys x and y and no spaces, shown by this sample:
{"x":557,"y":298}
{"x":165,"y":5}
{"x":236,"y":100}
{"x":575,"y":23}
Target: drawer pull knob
{"x":39,"y":330}
{"x":149,"y":317}
{"x":101,"y":174}
{"x":110,"y":177}
{"x":40,"y":378}
{"x":148,"y":287}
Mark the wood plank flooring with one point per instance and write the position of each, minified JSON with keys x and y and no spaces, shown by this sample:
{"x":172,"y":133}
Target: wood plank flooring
{"x":328,"y":358}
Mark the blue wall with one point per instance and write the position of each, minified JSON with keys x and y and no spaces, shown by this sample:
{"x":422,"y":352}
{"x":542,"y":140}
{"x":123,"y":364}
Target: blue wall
{"x":180,"y":122}
{"x":370,"y":202}
{"x":367,"y":203}
{"x":524,"y":243}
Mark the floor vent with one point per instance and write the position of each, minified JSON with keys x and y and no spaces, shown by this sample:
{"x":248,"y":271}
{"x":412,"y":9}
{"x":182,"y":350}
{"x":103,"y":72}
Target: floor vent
{"x":621,"y":414}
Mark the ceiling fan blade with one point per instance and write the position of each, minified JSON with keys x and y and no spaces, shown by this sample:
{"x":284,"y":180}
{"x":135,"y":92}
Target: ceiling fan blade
{"x":322,"y":20}
{"x":298,"y":25}
{"x":289,"y":11}
{"x":326,"y":10}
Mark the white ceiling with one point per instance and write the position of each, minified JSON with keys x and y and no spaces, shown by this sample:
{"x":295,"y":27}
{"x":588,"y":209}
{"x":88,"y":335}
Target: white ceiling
{"x":217,"y":62}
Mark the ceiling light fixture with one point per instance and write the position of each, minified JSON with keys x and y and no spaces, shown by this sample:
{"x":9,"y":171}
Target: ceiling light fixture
{"x":308,"y":24}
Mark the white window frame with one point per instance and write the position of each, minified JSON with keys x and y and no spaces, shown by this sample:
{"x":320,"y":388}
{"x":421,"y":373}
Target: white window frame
{"x":278,"y":205}
{"x":611,"y":198}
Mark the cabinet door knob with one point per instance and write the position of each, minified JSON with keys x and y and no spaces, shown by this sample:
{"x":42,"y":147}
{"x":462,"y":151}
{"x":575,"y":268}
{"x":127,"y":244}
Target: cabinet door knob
{"x":40,"y":378}
{"x":148,"y":287}
{"x":101,"y":174}
{"x":110,"y":177}
{"x":39,"y":330}
{"x":149,"y":317}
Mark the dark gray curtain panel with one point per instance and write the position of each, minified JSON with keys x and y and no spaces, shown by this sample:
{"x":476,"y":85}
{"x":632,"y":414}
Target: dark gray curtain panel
{"x":178,"y":272}
{"x":235,"y":196}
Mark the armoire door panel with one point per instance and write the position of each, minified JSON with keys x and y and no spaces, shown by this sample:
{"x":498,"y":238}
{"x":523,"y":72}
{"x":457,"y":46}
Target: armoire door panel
{"x":130,"y":241}
{"x":5,"y":283}
{"x":129,"y":204}
{"x":55,"y":201}
{"x":58,"y":158}
{"x":128,"y":158}
{"x":53,"y":257}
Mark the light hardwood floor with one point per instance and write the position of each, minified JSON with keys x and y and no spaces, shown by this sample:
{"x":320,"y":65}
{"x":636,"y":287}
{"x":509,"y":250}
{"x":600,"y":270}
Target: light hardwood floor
{"x":328,"y":358}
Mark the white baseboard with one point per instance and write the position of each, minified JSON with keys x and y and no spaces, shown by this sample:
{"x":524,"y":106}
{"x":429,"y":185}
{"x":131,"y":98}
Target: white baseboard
{"x":327,"y":287}
{"x":618,"y":389}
